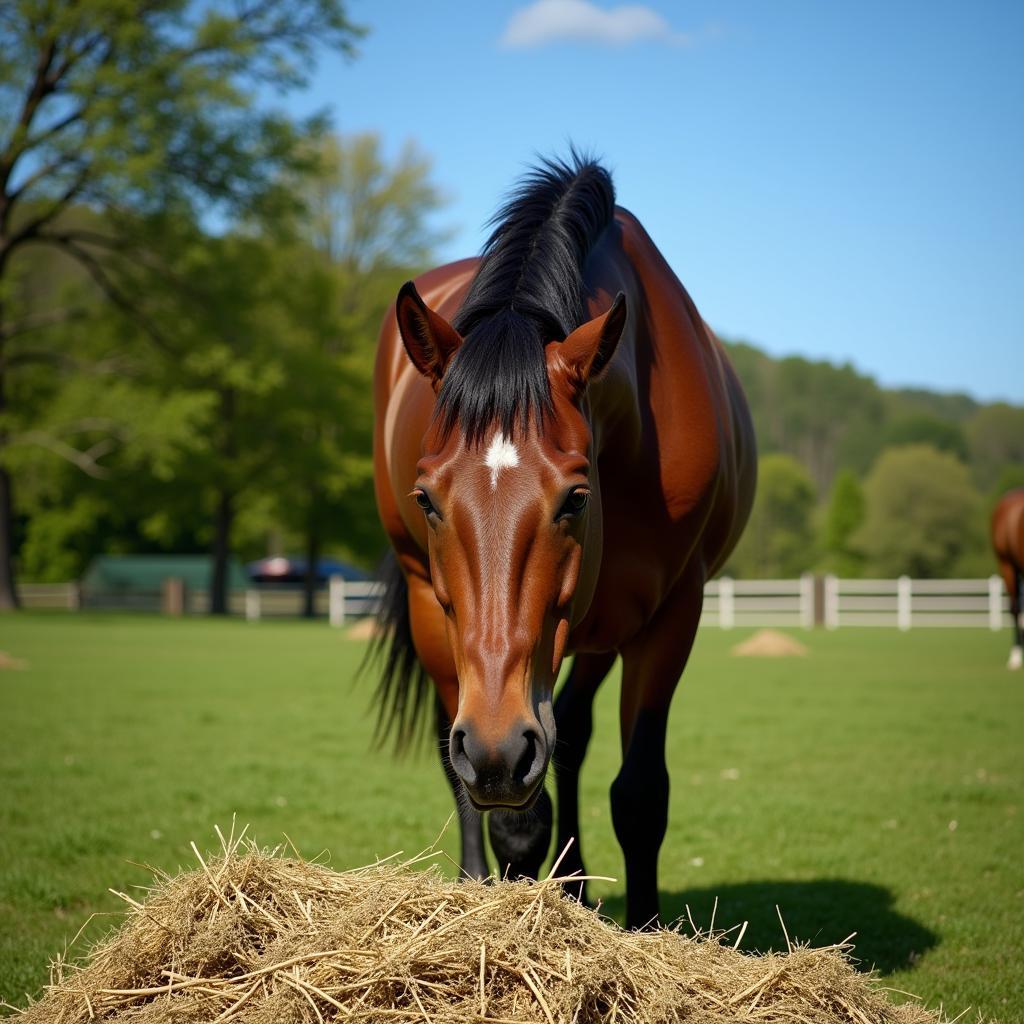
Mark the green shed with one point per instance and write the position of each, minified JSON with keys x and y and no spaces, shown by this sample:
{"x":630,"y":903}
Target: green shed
{"x":135,"y":581}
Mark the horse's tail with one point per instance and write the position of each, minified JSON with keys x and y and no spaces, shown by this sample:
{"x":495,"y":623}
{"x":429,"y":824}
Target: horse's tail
{"x":403,"y":689}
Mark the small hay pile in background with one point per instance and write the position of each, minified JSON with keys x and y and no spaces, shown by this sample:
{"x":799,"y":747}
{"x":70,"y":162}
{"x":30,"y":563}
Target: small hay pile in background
{"x":264,"y":938}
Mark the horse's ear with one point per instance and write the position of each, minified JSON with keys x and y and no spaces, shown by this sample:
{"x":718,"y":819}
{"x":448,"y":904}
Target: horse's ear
{"x":589,"y":349}
{"x":429,"y":339}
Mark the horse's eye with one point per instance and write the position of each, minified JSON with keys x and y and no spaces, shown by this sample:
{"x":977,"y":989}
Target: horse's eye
{"x":424,"y":502}
{"x":575,"y":502}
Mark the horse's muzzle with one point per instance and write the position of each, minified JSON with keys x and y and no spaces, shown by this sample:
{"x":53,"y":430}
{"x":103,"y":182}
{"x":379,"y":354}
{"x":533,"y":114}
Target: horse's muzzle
{"x":507,"y":773}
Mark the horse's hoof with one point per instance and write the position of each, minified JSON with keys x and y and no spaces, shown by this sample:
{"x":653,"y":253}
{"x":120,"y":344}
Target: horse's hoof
{"x":1016,"y":658}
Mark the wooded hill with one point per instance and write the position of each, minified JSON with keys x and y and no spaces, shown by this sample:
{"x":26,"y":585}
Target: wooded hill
{"x":859,"y":478}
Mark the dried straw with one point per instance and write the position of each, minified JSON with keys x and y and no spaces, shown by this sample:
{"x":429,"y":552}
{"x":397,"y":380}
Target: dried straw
{"x":263,"y":937}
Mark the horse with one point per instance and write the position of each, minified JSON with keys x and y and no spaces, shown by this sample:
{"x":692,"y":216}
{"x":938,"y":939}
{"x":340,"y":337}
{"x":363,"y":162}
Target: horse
{"x":1008,"y":542}
{"x":563,"y":456}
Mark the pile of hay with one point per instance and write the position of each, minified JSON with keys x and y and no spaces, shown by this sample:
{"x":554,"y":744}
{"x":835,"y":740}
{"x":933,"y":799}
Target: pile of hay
{"x":366,"y":628}
{"x":266,"y":938}
{"x":769,"y":643}
{"x":7,"y":661}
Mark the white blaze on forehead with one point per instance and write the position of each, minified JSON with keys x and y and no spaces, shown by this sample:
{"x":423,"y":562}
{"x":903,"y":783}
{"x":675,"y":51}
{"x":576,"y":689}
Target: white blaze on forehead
{"x":500,"y":455}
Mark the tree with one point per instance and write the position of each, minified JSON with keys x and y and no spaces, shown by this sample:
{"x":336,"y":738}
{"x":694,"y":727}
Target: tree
{"x":843,"y":516}
{"x":369,"y":223}
{"x":923,"y":513}
{"x":995,"y":435}
{"x":779,"y":539}
{"x":134,"y":110}
{"x":922,"y":428}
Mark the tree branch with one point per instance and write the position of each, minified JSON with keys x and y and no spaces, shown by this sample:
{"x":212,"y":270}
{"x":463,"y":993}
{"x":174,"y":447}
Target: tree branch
{"x":31,"y":228}
{"x":38,"y":89}
{"x":86,"y":461}
{"x":36,"y":322}
{"x":44,"y":171}
{"x":106,"y":284}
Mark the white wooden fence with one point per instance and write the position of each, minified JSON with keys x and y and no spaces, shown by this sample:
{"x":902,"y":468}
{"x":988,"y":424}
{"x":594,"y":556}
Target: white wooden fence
{"x":343,"y":600}
{"x":802,"y":603}
{"x":908,"y":603}
{"x":729,"y":603}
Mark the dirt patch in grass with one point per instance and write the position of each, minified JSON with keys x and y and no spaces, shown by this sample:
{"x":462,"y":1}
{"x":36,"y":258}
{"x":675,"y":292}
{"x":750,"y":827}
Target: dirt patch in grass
{"x":365,"y":629}
{"x":769,"y":643}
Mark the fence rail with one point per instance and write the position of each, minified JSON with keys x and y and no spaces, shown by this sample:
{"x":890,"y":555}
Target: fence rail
{"x":829,"y":601}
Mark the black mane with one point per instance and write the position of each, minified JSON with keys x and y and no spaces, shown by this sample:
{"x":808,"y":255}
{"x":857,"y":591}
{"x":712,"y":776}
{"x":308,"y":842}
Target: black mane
{"x":528,"y":291}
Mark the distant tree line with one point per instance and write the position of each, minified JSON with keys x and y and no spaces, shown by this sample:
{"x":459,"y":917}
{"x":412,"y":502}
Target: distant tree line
{"x":859,"y":480}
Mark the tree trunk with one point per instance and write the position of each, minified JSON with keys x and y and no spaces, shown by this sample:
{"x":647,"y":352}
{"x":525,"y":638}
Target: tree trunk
{"x":309,"y":583}
{"x":224,"y":517}
{"x":8,"y":589}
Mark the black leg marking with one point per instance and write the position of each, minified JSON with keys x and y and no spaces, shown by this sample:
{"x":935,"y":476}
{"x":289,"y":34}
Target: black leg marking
{"x":575,"y":721}
{"x":1017,"y":607}
{"x":521,"y":840}
{"x":473,"y":859}
{"x":640,"y":815}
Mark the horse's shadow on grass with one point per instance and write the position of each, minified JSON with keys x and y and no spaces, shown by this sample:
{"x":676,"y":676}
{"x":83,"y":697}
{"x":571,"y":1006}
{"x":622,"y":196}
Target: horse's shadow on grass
{"x":820,"y":912}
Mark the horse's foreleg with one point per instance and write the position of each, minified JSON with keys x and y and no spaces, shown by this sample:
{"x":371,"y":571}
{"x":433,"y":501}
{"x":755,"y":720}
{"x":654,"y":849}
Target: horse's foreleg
{"x":521,"y":839}
{"x":574,"y":722}
{"x":473,"y":859}
{"x":1017,"y":608}
{"x":1014,"y":580}
{"x":651,"y":667}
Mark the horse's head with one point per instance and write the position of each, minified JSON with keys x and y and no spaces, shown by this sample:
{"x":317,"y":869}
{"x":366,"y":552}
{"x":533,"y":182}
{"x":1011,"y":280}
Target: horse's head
{"x":514,"y":535}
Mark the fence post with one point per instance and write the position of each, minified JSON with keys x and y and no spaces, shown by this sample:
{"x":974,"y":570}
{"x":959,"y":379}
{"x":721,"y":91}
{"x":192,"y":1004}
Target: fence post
{"x":74,"y":596}
{"x":336,"y":600}
{"x":995,"y":603}
{"x":807,"y":600}
{"x":253,"y":605}
{"x":904,"y":597}
{"x":172,"y":596}
{"x":831,"y":601}
{"x":726,"y":603}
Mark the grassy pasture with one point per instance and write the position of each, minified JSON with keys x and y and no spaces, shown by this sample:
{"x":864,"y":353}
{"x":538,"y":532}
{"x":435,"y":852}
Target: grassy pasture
{"x":875,"y":786}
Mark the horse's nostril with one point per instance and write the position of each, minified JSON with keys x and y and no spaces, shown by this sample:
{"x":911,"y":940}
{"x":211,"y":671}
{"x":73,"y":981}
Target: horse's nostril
{"x":458,"y":741}
{"x":459,"y":758}
{"x":530,"y":760}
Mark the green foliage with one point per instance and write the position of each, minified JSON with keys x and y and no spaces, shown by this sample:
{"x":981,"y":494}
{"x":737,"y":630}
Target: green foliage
{"x":150,"y":107}
{"x":825,"y":416}
{"x":927,"y":429}
{"x":838,"y":424}
{"x":996,"y":438}
{"x":1009,"y":479}
{"x":844,"y":515}
{"x":368,"y":228}
{"x":116,"y":121}
{"x":258,"y":387}
{"x":923,"y":513}
{"x":779,"y":539}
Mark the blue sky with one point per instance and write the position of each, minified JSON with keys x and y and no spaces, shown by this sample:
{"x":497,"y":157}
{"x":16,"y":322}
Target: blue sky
{"x":843,"y":181}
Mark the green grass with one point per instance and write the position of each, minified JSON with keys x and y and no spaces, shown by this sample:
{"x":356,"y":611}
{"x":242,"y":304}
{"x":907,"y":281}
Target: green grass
{"x":874,"y":786}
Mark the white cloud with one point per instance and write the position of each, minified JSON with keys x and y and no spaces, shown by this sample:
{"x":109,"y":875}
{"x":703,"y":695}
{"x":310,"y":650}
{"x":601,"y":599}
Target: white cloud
{"x":549,"y":21}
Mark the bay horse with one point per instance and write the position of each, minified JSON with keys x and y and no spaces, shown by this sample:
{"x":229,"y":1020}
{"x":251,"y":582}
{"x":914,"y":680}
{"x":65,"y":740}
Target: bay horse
{"x":563,"y":456}
{"x":1008,"y":542}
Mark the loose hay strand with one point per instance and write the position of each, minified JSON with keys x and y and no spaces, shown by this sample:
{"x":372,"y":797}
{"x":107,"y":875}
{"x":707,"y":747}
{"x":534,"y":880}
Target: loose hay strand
{"x":264,"y":937}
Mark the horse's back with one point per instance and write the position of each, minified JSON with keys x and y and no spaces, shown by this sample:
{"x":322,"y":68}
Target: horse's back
{"x":1008,"y":527}
{"x":695,"y":455}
